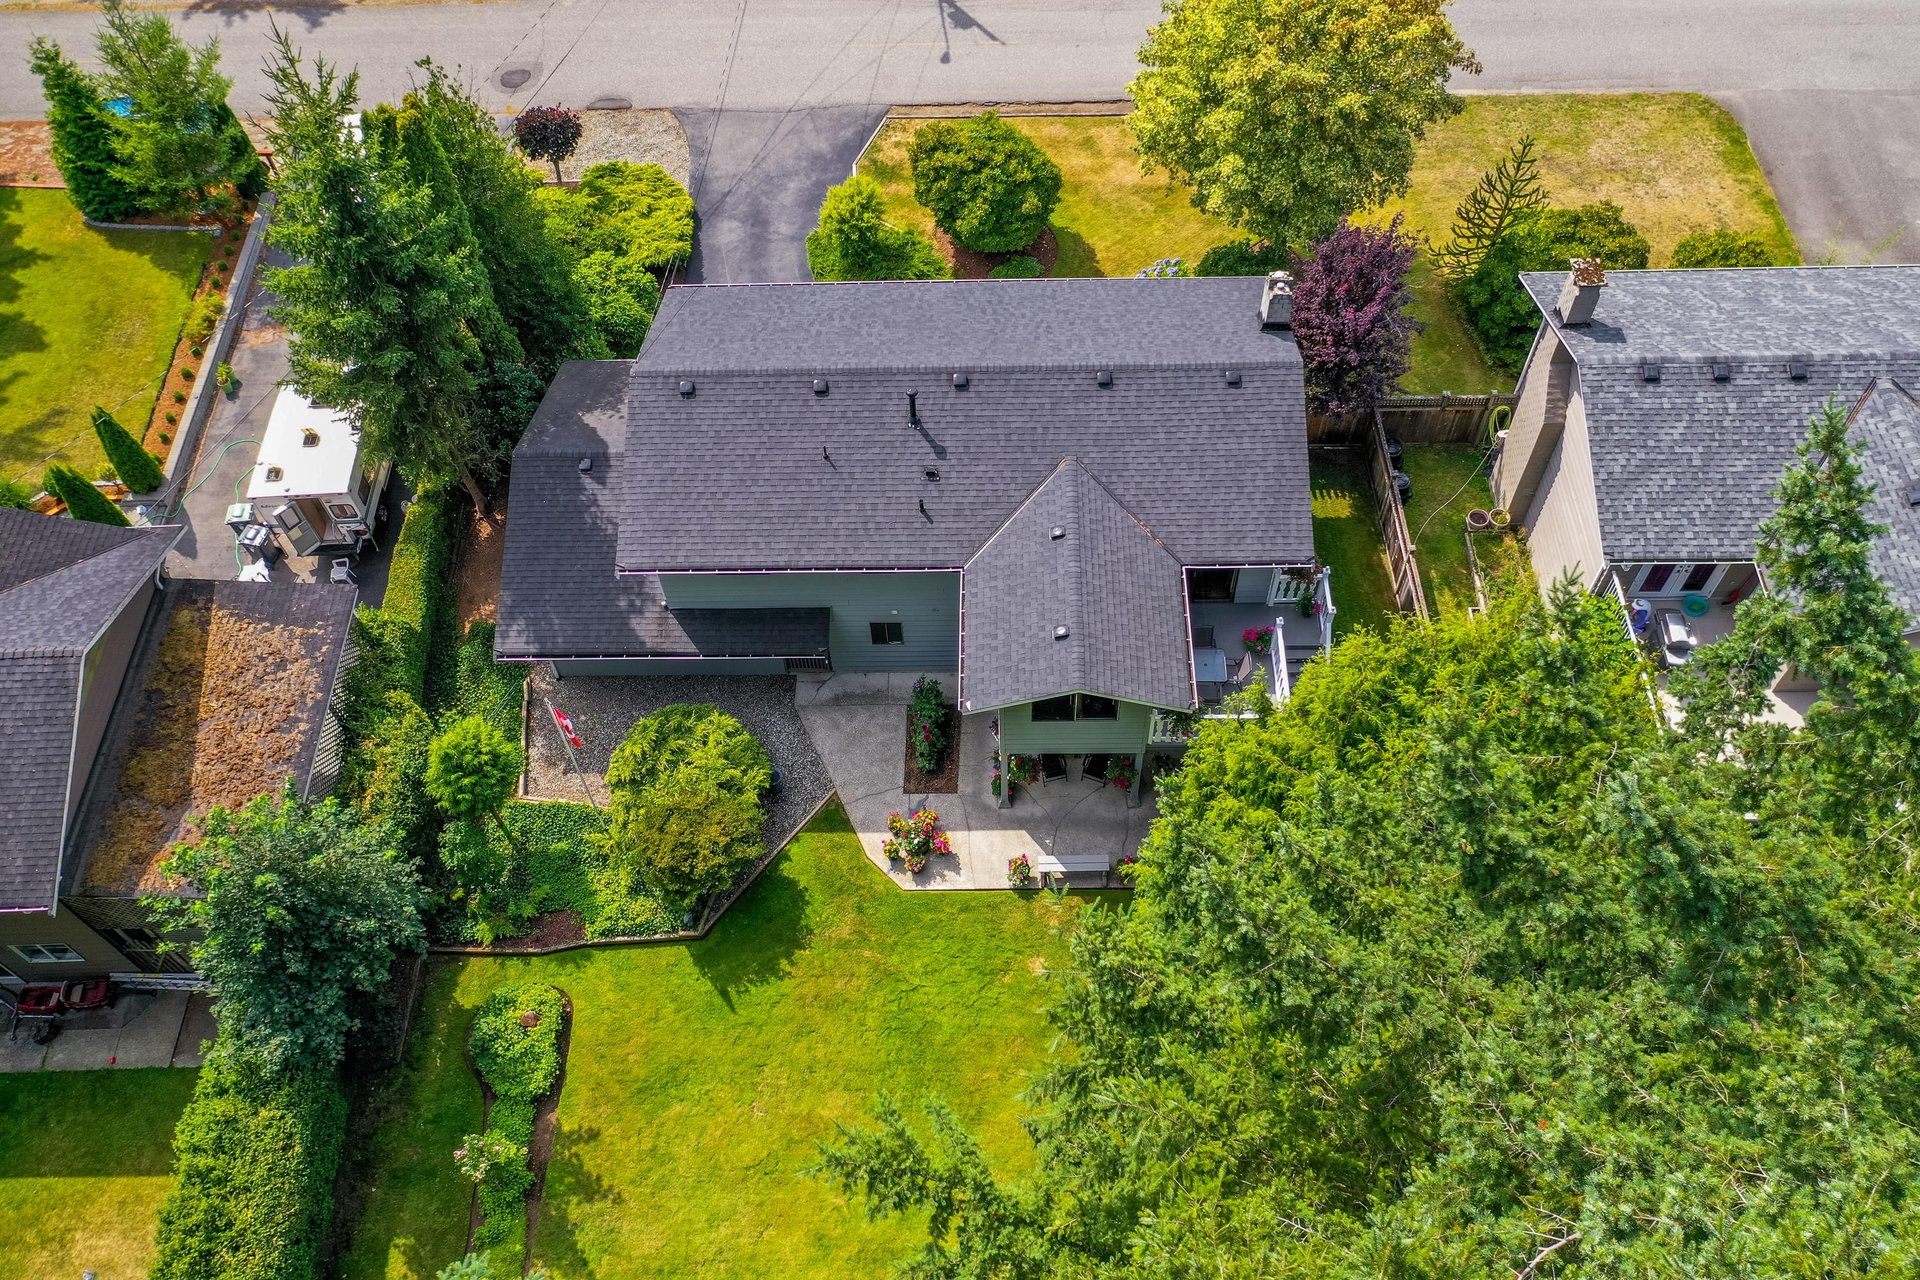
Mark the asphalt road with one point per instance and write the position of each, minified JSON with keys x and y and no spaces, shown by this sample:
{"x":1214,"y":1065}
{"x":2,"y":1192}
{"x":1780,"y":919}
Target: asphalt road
{"x":1828,"y":89}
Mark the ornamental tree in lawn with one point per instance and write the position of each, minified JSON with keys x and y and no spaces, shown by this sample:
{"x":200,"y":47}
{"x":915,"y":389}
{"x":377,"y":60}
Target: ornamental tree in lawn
{"x":84,"y":502}
{"x":1284,"y":116}
{"x":548,"y":133}
{"x":83,"y":137}
{"x":1350,"y":316}
{"x":987,"y":184}
{"x":137,"y":469}
{"x":300,"y":907}
{"x":1503,"y":193}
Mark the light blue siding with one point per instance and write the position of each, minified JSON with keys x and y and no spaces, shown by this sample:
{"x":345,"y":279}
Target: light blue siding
{"x":926,"y":605}
{"x":1127,"y":732}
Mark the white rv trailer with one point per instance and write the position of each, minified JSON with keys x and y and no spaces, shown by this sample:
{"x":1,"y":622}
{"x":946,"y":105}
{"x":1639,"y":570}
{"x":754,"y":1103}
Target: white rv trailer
{"x":310,"y":482}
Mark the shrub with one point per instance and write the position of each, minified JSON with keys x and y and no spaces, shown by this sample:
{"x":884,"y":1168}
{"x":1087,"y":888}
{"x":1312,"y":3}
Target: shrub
{"x":927,"y":724}
{"x":635,"y":210}
{"x":1021,"y":267}
{"x":689,"y":741}
{"x":186,"y":373}
{"x":1163,"y":269}
{"x":179,"y":397}
{"x":203,"y":317}
{"x":1350,"y":316}
{"x":84,"y":502}
{"x":622,"y":296}
{"x":397,"y":752}
{"x":855,"y":242}
{"x":15,"y":496}
{"x":1496,"y":304}
{"x":988,"y":185}
{"x":548,"y":133}
{"x":1722,"y":248}
{"x":137,"y":469}
{"x":516,"y":1040}
{"x":83,"y":137}
{"x":472,"y":768}
{"x":254,"y":1160}
{"x":1242,"y":258}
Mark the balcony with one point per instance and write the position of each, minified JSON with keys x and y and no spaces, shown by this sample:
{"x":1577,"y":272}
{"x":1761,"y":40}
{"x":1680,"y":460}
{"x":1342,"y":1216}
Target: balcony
{"x":1219,"y":630}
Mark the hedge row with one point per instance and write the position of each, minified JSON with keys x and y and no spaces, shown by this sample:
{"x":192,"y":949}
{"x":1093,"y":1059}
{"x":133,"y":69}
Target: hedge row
{"x":255,"y":1158}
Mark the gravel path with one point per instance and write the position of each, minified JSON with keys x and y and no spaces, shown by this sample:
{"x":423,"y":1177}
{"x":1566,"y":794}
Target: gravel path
{"x":643,"y":136}
{"x":604,"y":708}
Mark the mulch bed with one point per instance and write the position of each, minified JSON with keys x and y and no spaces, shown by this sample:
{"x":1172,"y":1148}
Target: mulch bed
{"x":476,"y":572}
{"x":945,"y":780}
{"x":166,"y":420}
{"x":971,"y":265}
{"x":552,"y":929}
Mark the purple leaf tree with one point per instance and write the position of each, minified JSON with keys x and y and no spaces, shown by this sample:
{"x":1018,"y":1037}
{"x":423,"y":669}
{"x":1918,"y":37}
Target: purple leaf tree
{"x":548,"y":133}
{"x":1350,"y":316}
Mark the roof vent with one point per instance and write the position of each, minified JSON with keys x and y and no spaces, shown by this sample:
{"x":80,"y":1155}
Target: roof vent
{"x":686,"y":386}
{"x":1057,"y":533}
{"x":1059,"y":633}
{"x":1233,"y":377}
{"x":913,"y":409}
{"x":1797,"y":370}
{"x":1581,"y":293}
{"x":1723,"y":373}
{"x":309,"y":438}
{"x":959,"y":382}
{"x":930,"y":473}
{"x":586,"y":465}
{"x":1649,"y":373}
{"x":1276,"y":301}
{"x":1104,"y":377}
{"x":819,"y":386}
{"x":1913,"y":494}
{"x":275,"y":473}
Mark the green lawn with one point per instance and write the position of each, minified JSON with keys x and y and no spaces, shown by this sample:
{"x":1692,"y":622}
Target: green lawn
{"x":86,"y":317}
{"x":1447,"y":483}
{"x":701,"y":1076}
{"x":85,"y":1159}
{"x":1346,"y":538}
{"x":1676,"y":162}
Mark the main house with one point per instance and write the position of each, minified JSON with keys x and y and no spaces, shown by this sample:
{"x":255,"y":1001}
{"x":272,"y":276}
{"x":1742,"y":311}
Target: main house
{"x":1659,"y":409}
{"x":1078,"y":495}
{"x":130,"y":703}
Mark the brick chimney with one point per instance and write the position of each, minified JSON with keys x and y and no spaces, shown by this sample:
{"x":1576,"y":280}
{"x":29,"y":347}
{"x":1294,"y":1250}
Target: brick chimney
{"x":1581,"y":293}
{"x":1276,"y":301}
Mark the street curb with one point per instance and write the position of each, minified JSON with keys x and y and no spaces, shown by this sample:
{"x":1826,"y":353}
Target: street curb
{"x":956,"y":110}
{"x":200,"y":400}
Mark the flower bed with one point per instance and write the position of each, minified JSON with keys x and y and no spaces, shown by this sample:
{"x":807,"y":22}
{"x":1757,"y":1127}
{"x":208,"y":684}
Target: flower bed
{"x":915,"y":838}
{"x":933,"y":742}
{"x":1020,"y":871}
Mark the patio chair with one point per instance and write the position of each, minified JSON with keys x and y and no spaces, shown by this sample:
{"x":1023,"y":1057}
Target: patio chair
{"x":1203,"y":637}
{"x":1053,"y":768}
{"x":1096,"y":767}
{"x":1243,"y":674}
{"x":341,"y":570}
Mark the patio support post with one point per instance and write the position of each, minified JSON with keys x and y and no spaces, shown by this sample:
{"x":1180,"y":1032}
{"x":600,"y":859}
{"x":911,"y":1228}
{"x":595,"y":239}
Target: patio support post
{"x":1139,"y":778}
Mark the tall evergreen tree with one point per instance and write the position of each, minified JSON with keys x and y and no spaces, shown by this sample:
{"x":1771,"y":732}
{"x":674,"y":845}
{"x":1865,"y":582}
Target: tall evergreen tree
{"x":84,"y":502}
{"x":382,"y":295}
{"x":137,"y":468}
{"x":174,"y":145}
{"x":83,"y":137}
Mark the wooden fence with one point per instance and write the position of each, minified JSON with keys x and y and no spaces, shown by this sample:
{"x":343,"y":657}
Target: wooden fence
{"x":1441,"y":419}
{"x":1402,"y":567}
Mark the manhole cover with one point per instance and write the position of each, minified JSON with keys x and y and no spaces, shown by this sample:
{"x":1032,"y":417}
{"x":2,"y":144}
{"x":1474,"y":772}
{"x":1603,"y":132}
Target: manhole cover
{"x":610,"y":104}
{"x":514,"y":77}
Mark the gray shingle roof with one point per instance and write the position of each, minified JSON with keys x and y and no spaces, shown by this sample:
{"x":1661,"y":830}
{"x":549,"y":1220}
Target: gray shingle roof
{"x":1886,"y":420}
{"x":1782,"y":312}
{"x":62,"y":582}
{"x":1106,"y":579}
{"x":755,"y":470}
{"x":559,"y":594}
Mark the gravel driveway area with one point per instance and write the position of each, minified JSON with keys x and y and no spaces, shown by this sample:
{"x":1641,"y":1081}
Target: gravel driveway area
{"x":603,"y":709}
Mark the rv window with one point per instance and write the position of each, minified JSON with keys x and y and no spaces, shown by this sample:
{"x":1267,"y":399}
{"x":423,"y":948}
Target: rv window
{"x":343,"y":511}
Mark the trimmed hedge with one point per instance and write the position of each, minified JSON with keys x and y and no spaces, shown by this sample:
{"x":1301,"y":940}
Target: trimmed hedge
{"x":485,"y":688}
{"x":1019,"y":267}
{"x":254,"y":1166}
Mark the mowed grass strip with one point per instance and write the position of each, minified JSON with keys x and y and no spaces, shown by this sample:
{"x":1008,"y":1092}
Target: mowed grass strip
{"x":1346,"y":538}
{"x":86,"y":317}
{"x":86,"y":1157}
{"x":701,"y":1077}
{"x":1448,"y":481}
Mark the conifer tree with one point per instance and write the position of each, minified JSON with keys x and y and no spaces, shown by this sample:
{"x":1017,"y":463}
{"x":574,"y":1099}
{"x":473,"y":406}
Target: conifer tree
{"x":175,"y":146}
{"x":1509,"y":189}
{"x":84,"y":502}
{"x":137,"y":468}
{"x":83,"y":137}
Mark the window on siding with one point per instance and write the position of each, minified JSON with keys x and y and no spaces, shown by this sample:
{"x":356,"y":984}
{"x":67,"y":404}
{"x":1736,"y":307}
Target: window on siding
{"x":1095,"y":707}
{"x":47,"y":953}
{"x":1054,"y":709}
{"x":887,"y":633}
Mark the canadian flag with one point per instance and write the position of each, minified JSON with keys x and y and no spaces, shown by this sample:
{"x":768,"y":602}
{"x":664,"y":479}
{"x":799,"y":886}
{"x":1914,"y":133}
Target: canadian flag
{"x":565,"y":723}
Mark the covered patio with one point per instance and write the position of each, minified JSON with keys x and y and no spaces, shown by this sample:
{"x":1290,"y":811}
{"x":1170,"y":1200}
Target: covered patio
{"x":858,"y":725}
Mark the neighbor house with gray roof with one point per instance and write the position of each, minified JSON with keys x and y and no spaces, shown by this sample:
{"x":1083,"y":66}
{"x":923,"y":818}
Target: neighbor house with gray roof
{"x":1658,"y":411}
{"x":1076,"y":495}
{"x":110,"y":749}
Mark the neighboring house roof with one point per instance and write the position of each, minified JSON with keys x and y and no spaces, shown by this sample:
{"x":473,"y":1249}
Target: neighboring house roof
{"x":62,"y":583}
{"x":559,"y":594}
{"x":1686,"y":467}
{"x":1073,"y":558}
{"x":755,"y":469}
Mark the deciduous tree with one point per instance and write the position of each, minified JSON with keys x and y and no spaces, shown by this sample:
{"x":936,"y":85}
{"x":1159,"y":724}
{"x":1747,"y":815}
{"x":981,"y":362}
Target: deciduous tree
{"x":1350,"y":301}
{"x":548,"y":133}
{"x":300,"y":907}
{"x":1286,"y":115}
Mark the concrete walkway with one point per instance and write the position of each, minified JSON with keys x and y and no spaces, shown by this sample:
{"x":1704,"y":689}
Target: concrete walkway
{"x":141,"y":1029}
{"x":858,"y":725}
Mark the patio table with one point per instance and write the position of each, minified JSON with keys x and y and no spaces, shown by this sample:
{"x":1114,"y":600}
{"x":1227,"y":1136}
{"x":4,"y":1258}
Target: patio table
{"x":1210,"y":665}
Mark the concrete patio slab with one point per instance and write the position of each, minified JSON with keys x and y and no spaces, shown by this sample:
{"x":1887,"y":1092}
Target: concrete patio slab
{"x":858,"y":725}
{"x":197,"y":1030}
{"x":141,"y":1029}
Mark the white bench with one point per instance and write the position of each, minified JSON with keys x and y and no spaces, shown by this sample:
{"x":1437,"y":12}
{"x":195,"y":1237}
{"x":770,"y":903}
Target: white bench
{"x":1071,"y":863}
